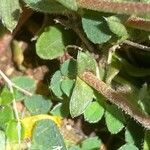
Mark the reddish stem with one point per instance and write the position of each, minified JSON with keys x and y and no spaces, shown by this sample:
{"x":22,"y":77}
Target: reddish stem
{"x":138,"y":23}
{"x":116,"y":98}
{"x":115,"y":7}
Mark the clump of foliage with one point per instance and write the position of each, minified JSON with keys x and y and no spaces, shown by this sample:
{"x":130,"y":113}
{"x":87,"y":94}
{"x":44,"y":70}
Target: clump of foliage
{"x":103,"y":51}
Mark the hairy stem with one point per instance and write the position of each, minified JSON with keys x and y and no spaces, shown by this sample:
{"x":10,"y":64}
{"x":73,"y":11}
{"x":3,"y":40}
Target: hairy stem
{"x":116,"y":98}
{"x":137,"y":45}
{"x":115,"y":7}
{"x":139,"y":23}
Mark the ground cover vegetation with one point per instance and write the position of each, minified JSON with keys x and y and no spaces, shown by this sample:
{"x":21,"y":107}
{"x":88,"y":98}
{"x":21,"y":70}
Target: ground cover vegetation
{"x":75,"y":74}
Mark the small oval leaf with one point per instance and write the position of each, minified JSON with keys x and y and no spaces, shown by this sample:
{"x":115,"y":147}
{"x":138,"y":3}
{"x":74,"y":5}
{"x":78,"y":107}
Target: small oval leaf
{"x":46,"y":6}
{"x":94,"y":112}
{"x":117,"y":27}
{"x":6,"y":96}
{"x":69,"y":68}
{"x":29,"y":122}
{"x":92,"y":143}
{"x":6,"y":114}
{"x":114,"y":119}
{"x":37,"y":104}
{"x":55,"y":84}
{"x":9,"y":13}
{"x":67,"y":86}
{"x":46,"y":135}
{"x":95,"y":28}
{"x":51,"y":43}
{"x":12,"y":131}
{"x":85,"y":62}
{"x":128,"y":146}
{"x":81,"y":97}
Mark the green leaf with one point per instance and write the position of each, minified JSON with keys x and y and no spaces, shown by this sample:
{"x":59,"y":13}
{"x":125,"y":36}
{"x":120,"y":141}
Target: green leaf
{"x":117,"y":27}
{"x":74,"y":147}
{"x":70,"y":4}
{"x":127,"y":147}
{"x":55,"y":84}
{"x":69,"y":68}
{"x":9,"y":13}
{"x":46,"y":6}
{"x":38,"y":104}
{"x":146,"y":145}
{"x":134,"y":133}
{"x":114,"y":119}
{"x":6,"y":96}
{"x":94,"y":112}
{"x":25,"y":83}
{"x":144,"y":99}
{"x":46,"y":136}
{"x":92,"y":143}
{"x":2,"y":140}
{"x":6,"y":114}
{"x":67,"y":86}
{"x":81,"y":97}
{"x":95,"y":28}
{"x":61,"y":109}
{"x":85,"y":62}
{"x":51,"y":43}
{"x":12,"y":131}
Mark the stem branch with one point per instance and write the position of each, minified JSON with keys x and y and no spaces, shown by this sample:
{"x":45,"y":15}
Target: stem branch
{"x":116,"y":99}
